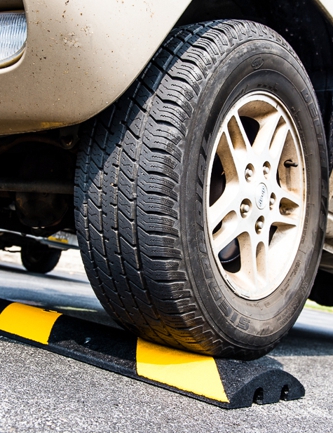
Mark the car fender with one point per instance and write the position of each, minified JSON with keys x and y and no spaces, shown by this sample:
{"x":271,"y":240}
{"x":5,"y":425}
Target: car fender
{"x":79,"y":58}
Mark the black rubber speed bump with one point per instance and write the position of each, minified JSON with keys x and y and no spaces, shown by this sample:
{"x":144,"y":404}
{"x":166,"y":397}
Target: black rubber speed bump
{"x":225,"y":383}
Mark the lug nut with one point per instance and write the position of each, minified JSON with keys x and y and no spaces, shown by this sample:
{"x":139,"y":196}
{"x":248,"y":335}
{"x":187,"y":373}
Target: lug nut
{"x":272,"y":201}
{"x":259,"y":226}
{"x":285,"y":211}
{"x":266,"y":170}
{"x":248,"y":174}
{"x":244,"y":208}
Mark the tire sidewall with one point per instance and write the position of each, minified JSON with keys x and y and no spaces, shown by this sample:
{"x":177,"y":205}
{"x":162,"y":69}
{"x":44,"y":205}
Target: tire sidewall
{"x":258,"y":65}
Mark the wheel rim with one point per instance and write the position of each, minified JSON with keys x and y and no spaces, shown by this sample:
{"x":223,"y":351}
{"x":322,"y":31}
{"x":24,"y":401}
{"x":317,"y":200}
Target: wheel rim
{"x":255,"y":195}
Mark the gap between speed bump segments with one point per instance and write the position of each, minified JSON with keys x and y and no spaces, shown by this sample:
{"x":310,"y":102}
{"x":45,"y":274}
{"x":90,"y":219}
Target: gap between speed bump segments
{"x":225,"y":383}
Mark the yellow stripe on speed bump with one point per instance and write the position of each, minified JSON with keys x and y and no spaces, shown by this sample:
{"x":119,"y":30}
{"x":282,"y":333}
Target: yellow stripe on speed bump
{"x":226,"y":383}
{"x":28,"y":322}
{"x":185,"y":371}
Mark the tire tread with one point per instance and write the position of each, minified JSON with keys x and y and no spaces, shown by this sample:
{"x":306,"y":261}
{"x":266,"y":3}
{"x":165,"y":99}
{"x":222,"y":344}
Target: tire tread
{"x":126,"y":188}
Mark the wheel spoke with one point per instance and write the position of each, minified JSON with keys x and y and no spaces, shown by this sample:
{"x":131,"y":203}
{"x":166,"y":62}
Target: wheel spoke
{"x":278,"y":140}
{"x":230,"y":155}
{"x":238,"y":134}
{"x":248,"y":254}
{"x":262,"y":262}
{"x":270,"y":135}
{"x":229,"y":230}
{"x":254,"y":272}
{"x":226,"y":203}
{"x":280,"y":219}
{"x":286,"y":209}
{"x":285,"y":195}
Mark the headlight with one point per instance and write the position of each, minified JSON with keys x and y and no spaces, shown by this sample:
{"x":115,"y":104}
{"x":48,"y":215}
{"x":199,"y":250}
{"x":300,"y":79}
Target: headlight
{"x":13,"y":35}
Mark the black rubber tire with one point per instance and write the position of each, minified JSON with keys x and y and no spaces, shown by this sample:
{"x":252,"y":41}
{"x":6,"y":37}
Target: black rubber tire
{"x":138,"y":194}
{"x":39,"y":258}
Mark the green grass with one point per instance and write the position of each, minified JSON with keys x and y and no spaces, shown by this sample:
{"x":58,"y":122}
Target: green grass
{"x":313,"y":305}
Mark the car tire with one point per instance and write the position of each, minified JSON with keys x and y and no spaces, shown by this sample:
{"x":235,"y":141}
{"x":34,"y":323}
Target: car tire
{"x":38,"y":258}
{"x":201,"y":194}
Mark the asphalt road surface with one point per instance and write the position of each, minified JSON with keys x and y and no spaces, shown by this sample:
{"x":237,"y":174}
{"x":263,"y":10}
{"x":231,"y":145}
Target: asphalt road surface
{"x":45,"y":392}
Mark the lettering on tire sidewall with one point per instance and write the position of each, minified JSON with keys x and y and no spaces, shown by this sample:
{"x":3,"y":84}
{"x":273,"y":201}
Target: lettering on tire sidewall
{"x":289,"y":297}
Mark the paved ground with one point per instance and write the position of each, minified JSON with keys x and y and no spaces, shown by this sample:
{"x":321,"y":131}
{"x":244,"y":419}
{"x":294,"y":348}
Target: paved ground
{"x":44,"y":392}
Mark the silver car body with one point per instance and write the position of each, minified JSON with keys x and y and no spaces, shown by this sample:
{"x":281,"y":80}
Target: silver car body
{"x":79,"y":57}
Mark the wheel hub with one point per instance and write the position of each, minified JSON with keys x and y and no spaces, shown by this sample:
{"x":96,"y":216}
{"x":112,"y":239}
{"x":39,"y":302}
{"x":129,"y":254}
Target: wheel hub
{"x":261,"y":197}
{"x":260,"y":209}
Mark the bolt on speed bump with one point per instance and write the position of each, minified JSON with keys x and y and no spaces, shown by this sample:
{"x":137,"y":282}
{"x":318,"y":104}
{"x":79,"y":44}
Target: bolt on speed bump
{"x":224,"y":383}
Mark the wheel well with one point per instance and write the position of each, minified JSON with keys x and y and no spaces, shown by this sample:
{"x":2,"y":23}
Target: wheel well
{"x":301,"y":23}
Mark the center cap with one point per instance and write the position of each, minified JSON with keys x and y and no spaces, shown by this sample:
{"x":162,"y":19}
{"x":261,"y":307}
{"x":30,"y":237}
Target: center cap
{"x":261,"y":196}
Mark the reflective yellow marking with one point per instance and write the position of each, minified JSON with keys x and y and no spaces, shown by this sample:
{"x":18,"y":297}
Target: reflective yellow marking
{"x":185,"y":371}
{"x":28,"y":322}
{"x":46,"y":125}
{"x":58,"y":240}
